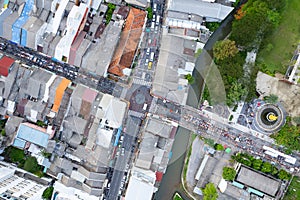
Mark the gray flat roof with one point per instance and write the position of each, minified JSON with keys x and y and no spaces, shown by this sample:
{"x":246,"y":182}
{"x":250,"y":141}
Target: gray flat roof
{"x":158,"y":127}
{"x":258,"y":181}
{"x":99,"y":55}
{"x":213,"y":11}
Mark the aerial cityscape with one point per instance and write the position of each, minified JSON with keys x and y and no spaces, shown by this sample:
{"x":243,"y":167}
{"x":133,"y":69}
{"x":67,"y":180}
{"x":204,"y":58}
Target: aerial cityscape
{"x":149,"y":100}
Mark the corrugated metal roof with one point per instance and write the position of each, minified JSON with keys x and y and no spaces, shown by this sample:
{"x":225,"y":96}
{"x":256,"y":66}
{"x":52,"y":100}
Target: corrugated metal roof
{"x":34,"y":134}
{"x":5,"y":64}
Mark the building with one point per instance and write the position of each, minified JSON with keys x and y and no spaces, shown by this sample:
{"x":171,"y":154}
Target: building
{"x":61,"y":192}
{"x":257,"y":183}
{"x":5,"y":65}
{"x":139,"y":3}
{"x":74,"y":21}
{"x":129,"y":41}
{"x":176,"y":59}
{"x":91,"y":120}
{"x":212,"y":12}
{"x":152,"y":159}
{"x":19,"y":184}
{"x":138,"y":189}
{"x":99,"y":55}
{"x":28,"y":134}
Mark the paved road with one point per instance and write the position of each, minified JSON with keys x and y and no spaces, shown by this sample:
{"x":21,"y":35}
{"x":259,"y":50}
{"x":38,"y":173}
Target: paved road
{"x":123,"y":161}
{"x":144,"y":73}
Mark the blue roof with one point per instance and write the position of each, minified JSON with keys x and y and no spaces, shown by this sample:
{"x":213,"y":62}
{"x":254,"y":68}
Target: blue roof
{"x":16,"y":28}
{"x":19,"y":143}
{"x":239,"y":185}
{"x":33,"y":135}
{"x":251,"y":190}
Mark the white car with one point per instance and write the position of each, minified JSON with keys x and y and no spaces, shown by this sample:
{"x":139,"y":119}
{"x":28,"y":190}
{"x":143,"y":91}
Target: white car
{"x":146,"y":62}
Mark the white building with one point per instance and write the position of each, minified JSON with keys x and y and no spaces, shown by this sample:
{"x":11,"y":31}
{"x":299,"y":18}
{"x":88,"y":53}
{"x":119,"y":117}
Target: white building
{"x":74,"y":21}
{"x":14,"y":187}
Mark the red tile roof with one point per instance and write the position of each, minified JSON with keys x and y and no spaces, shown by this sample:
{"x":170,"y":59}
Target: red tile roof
{"x":5,"y":64}
{"x":128,"y":42}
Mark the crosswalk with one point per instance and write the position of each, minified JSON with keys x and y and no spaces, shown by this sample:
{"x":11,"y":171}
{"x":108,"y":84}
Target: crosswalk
{"x":141,"y":82}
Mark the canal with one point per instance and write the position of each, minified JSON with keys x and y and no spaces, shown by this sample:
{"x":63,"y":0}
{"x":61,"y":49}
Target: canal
{"x":171,"y":181}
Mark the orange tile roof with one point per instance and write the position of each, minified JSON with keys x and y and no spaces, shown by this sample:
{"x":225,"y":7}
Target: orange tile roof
{"x":60,"y":90}
{"x":128,"y":42}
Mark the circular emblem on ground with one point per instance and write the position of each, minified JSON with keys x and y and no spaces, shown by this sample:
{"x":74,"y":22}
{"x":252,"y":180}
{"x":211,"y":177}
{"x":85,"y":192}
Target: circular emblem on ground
{"x":270,"y":118}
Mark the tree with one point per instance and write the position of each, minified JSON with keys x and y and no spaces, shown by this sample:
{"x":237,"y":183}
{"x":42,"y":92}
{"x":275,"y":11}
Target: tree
{"x":283,"y":175}
{"x":251,"y":27}
{"x":47,"y":194}
{"x":228,"y":173}
{"x":256,"y":164}
{"x":15,"y":155}
{"x":224,"y":49}
{"x":149,"y":13}
{"x":234,"y":93}
{"x":31,"y":165}
{"x":219,"y":147}
{"x":272,"y":98}
{"x":210,"y":192}
{"x":288,"y":136}
{"x":266,"y":167}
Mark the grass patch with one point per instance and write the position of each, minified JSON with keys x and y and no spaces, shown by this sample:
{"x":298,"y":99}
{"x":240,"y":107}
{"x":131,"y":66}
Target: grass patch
{"x":293,"y":192}
{"x":278,"y":47}
{"x":187,"y":157}
{"x":177,"y":197}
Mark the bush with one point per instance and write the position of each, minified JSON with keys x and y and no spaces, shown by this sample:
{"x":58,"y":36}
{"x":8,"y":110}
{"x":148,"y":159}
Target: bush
{"x":228,"y":173}
{"x":219,"y":147}
{"x":47,"y":194}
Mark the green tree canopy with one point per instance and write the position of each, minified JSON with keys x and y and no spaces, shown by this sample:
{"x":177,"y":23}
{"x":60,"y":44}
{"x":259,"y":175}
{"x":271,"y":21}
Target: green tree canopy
{"x":31,"y":165}
{"x":224,"y":49}
{"x":149,"y":13}
{"x":15,"y":155}
{"x":266,"y":167}
{"x":210,"y":192}
{"x":228,"y":173}
{"x":219,"y":147}
{"x":272,"y":98}
{"x":289,"y":136}
{"x":257,"y":21}
{"x":47,"y":194}
{"x":234,"y":93}
{"x":283,"y":175}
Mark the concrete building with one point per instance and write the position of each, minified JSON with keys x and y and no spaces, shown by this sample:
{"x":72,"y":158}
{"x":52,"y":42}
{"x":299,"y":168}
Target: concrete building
{"x":258,"y":183}
{"x":18,"y":184}
{"x":88,"y":128}
{"x":139,"y":3}
{"x":98,"y":56}
{"x":73,"y":23}
{"x":176,"y":59}
{"x":152,"y":159}
{"x":213,"y":12}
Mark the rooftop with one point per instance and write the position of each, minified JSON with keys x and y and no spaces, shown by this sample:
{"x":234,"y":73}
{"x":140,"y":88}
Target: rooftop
{"x":128,"y":42}
{"x":258,"y":181}
{"x":5,"y":64}
{"x":212,"y":11}
{"x":175,"y":53}
{"x":138,"y":189}
{"x":32,"y":133}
